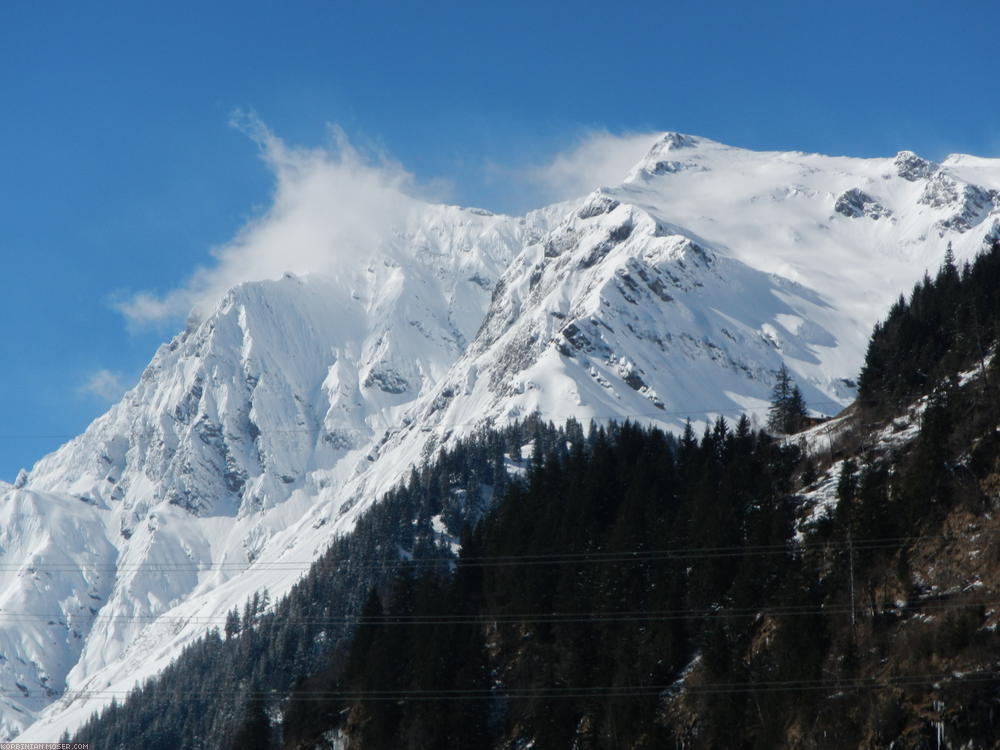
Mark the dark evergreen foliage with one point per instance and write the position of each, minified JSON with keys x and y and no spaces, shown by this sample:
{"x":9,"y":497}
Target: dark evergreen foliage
{"x":948,"y":324}
{"x":619,"y":494}
{"x":788,"y":411}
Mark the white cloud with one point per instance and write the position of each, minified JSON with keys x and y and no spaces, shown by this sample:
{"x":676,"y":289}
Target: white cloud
{"x":144,"y":307}
{"x":328,"y":203}
{"x":598,"y":159}
{"x":334,"y":202}
{"x":104,"y":384}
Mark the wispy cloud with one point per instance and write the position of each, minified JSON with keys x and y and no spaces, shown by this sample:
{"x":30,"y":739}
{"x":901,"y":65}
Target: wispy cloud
{"x":335,"y":202}
{"x":105,"y":385}
{"x":597,"y":159}
{"x":328,"y":203}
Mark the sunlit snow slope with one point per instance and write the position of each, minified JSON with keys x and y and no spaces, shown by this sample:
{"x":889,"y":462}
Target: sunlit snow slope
{"x":681,"y":291}
{"x":260,"y":432}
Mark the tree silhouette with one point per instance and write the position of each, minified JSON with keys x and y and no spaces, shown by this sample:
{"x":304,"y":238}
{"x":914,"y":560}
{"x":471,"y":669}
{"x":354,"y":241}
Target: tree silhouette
{"x":788,"y":409}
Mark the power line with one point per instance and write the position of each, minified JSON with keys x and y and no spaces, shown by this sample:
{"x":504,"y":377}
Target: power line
{"x":555,"y":558}
{"x":728,"y":409}
{"x":500,"y":618}
{"x":885,"y":682}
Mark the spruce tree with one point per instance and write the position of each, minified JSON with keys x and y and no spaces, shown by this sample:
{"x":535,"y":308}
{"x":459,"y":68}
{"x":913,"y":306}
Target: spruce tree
{"x":788,"y":408}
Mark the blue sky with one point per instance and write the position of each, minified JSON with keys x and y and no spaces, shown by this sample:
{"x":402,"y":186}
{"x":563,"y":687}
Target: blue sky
{"x":119,"y":169}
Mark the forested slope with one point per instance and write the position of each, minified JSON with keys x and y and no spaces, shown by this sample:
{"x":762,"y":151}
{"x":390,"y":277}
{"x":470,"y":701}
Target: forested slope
{"x":734,"y":591}
{"x":575,"y":604}
{"x":629,"y":590}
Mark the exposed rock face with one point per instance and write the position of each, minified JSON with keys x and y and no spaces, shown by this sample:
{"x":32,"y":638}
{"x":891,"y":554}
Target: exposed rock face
{"x":856,"y":203}
{"x":596,"y":205}
{"x":387,"y":380}
{"x":968,"y":204}
{"x":911,"y":167}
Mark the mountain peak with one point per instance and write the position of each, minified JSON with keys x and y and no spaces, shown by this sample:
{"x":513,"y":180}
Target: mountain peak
{"x":671,"y":153}
{"x":911,"y":167}
{"x":671,"y":141}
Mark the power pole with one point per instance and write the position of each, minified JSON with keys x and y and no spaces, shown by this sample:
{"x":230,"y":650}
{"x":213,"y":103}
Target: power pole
{"x":850,"y":555}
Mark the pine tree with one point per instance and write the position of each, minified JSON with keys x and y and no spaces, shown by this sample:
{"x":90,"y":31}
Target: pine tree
{"x":232,"y":627}
{"x":788,"y":408}
{"x":948,"y":271}
{"x":796,"y":411}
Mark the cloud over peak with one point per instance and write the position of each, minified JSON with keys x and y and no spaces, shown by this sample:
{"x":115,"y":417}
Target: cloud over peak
{"x":327,"y":203}
{"x":598,"y":159}
{"x":333,"y":203}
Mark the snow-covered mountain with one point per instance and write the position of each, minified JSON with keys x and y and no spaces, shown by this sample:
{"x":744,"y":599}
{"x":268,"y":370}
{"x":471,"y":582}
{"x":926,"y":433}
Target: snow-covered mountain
{"x":262,"y":430}
{"x":680,"y":292}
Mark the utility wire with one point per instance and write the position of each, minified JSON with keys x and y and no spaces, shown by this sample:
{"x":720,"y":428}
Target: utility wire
{"x":501,"y":693}
{"x":922,"y":606}
{"x":555,"y":558}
